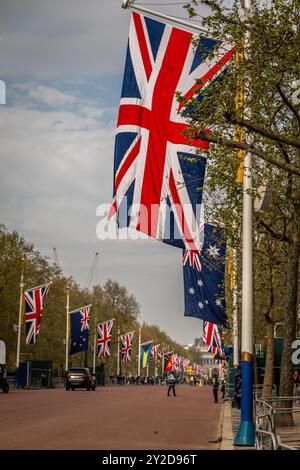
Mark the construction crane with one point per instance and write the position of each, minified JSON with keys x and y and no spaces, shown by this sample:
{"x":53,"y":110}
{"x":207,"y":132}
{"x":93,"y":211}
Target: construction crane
{"x":93,"y":275}
{"x":92,"y":281}
{"x":55,"y":257}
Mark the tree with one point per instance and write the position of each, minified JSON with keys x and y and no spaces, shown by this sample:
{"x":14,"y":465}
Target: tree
{"x":110,"y":300}
{"x":267,"y":69}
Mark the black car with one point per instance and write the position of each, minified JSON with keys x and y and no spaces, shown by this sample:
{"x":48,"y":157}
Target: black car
{"x":79,"y":377}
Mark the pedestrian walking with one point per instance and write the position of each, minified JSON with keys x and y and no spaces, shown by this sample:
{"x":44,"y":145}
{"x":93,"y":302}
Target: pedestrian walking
{"x":215,"y":384}
{"x":171,"y":384}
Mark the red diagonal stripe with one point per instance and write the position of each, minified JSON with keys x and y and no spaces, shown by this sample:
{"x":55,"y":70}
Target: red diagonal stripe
{"x":208,"y":75}
{"x":143,"y":44}
{"x":128,"y":162}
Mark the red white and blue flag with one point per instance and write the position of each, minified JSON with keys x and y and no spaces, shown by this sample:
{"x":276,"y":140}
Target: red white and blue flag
{"x":212,"y":339}
{"x":126,"y":346}
{"x":104,"y":336}
{"x":34,"y":305}
{"x":80,"y":329}
{"x":156,"y":185}
{"x":154,"y":352}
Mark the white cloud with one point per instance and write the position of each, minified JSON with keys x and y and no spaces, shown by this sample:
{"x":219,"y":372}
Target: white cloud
{"x":54,"y":164}
{"x":51,"y":96}
{"x":66,"y":38}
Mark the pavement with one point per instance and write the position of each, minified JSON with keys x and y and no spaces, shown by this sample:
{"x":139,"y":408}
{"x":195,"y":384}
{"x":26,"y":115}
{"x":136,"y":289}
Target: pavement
{"x":112,"y":417}
{"x":230,"y":423}
{"x":227,"y":430}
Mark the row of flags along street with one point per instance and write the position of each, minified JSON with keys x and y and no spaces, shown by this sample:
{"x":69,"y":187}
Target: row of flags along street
{"x":80,"y":328}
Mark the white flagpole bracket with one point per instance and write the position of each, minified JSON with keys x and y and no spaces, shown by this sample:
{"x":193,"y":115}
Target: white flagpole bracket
{"x":130,"y":4}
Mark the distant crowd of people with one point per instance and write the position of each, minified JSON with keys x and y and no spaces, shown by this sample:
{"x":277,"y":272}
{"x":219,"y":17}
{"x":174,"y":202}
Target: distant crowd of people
{"x":172,"y":379}
{"x":140,"y":380}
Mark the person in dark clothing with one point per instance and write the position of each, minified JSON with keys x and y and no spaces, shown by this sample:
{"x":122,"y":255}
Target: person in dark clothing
{"x":215,"y":384}
{"x":171,"y":384}
{"x":238,"y":390}
{"x":223,"y":389}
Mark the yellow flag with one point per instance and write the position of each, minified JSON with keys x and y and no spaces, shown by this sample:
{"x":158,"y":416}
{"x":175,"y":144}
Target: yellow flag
{"x":230,"y":269}
{"x":238,"y":131}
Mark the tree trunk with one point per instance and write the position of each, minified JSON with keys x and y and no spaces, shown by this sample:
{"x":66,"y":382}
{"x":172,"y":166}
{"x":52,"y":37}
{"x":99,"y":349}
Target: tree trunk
{"x":268,"y":378}
{"x":287,"y":367}
{"x":290,"y":324}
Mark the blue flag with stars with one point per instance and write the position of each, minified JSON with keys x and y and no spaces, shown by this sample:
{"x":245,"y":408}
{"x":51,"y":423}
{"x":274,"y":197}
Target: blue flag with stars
{"x":80,"y":330}
{"x":204,"y":292}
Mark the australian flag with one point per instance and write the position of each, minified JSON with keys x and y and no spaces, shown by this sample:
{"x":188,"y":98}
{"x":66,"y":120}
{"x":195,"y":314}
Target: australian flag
{"x":204,"y":292}
{"x":80,"y":329}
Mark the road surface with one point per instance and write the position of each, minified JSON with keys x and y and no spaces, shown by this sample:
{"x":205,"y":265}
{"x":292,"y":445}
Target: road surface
{"x":115,"y":417}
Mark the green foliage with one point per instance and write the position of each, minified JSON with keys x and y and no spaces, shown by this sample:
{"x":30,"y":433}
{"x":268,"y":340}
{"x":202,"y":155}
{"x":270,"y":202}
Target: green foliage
{"x":267,"y":41}
{"x":110,"y":300}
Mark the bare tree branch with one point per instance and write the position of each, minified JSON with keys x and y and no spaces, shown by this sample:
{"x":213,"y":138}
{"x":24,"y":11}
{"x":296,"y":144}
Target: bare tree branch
{"x":234,"y":119}
{"x":288,"y":103}
{"x":249,"y":148}
{"x":274,"y":234}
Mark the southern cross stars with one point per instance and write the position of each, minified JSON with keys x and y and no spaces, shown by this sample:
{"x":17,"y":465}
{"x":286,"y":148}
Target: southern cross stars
{"x":213,"y":251}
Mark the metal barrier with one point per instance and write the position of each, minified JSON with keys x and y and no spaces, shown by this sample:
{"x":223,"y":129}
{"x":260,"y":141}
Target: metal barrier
{"x":277,"y":423}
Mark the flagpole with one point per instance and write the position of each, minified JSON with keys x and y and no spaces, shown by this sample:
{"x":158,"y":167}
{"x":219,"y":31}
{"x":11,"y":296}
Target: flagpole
{"x":246,"y":432}
{"x":39,"y":287}
{"x":139,"y":352}
{"x":235,"y":315}
{"x":129,"y":4}
{"x":118,"y":352}
{"x":80,"y":308}
{"x":95,"y":337}
{"x":20,"y":313}
{"x":67,"y":290}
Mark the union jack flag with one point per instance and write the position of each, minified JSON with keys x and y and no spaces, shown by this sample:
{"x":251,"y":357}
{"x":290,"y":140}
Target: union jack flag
{"x":154,"y":352}
{"x":211,"y":337}
{"x":153,"y":174}
{"x":104,"y":336}
{"x":126,"y":345}
{"x":34,"y":304}
{"x":85,"y":318}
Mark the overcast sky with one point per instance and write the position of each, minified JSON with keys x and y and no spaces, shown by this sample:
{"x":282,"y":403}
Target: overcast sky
{"x":62,"y":61}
